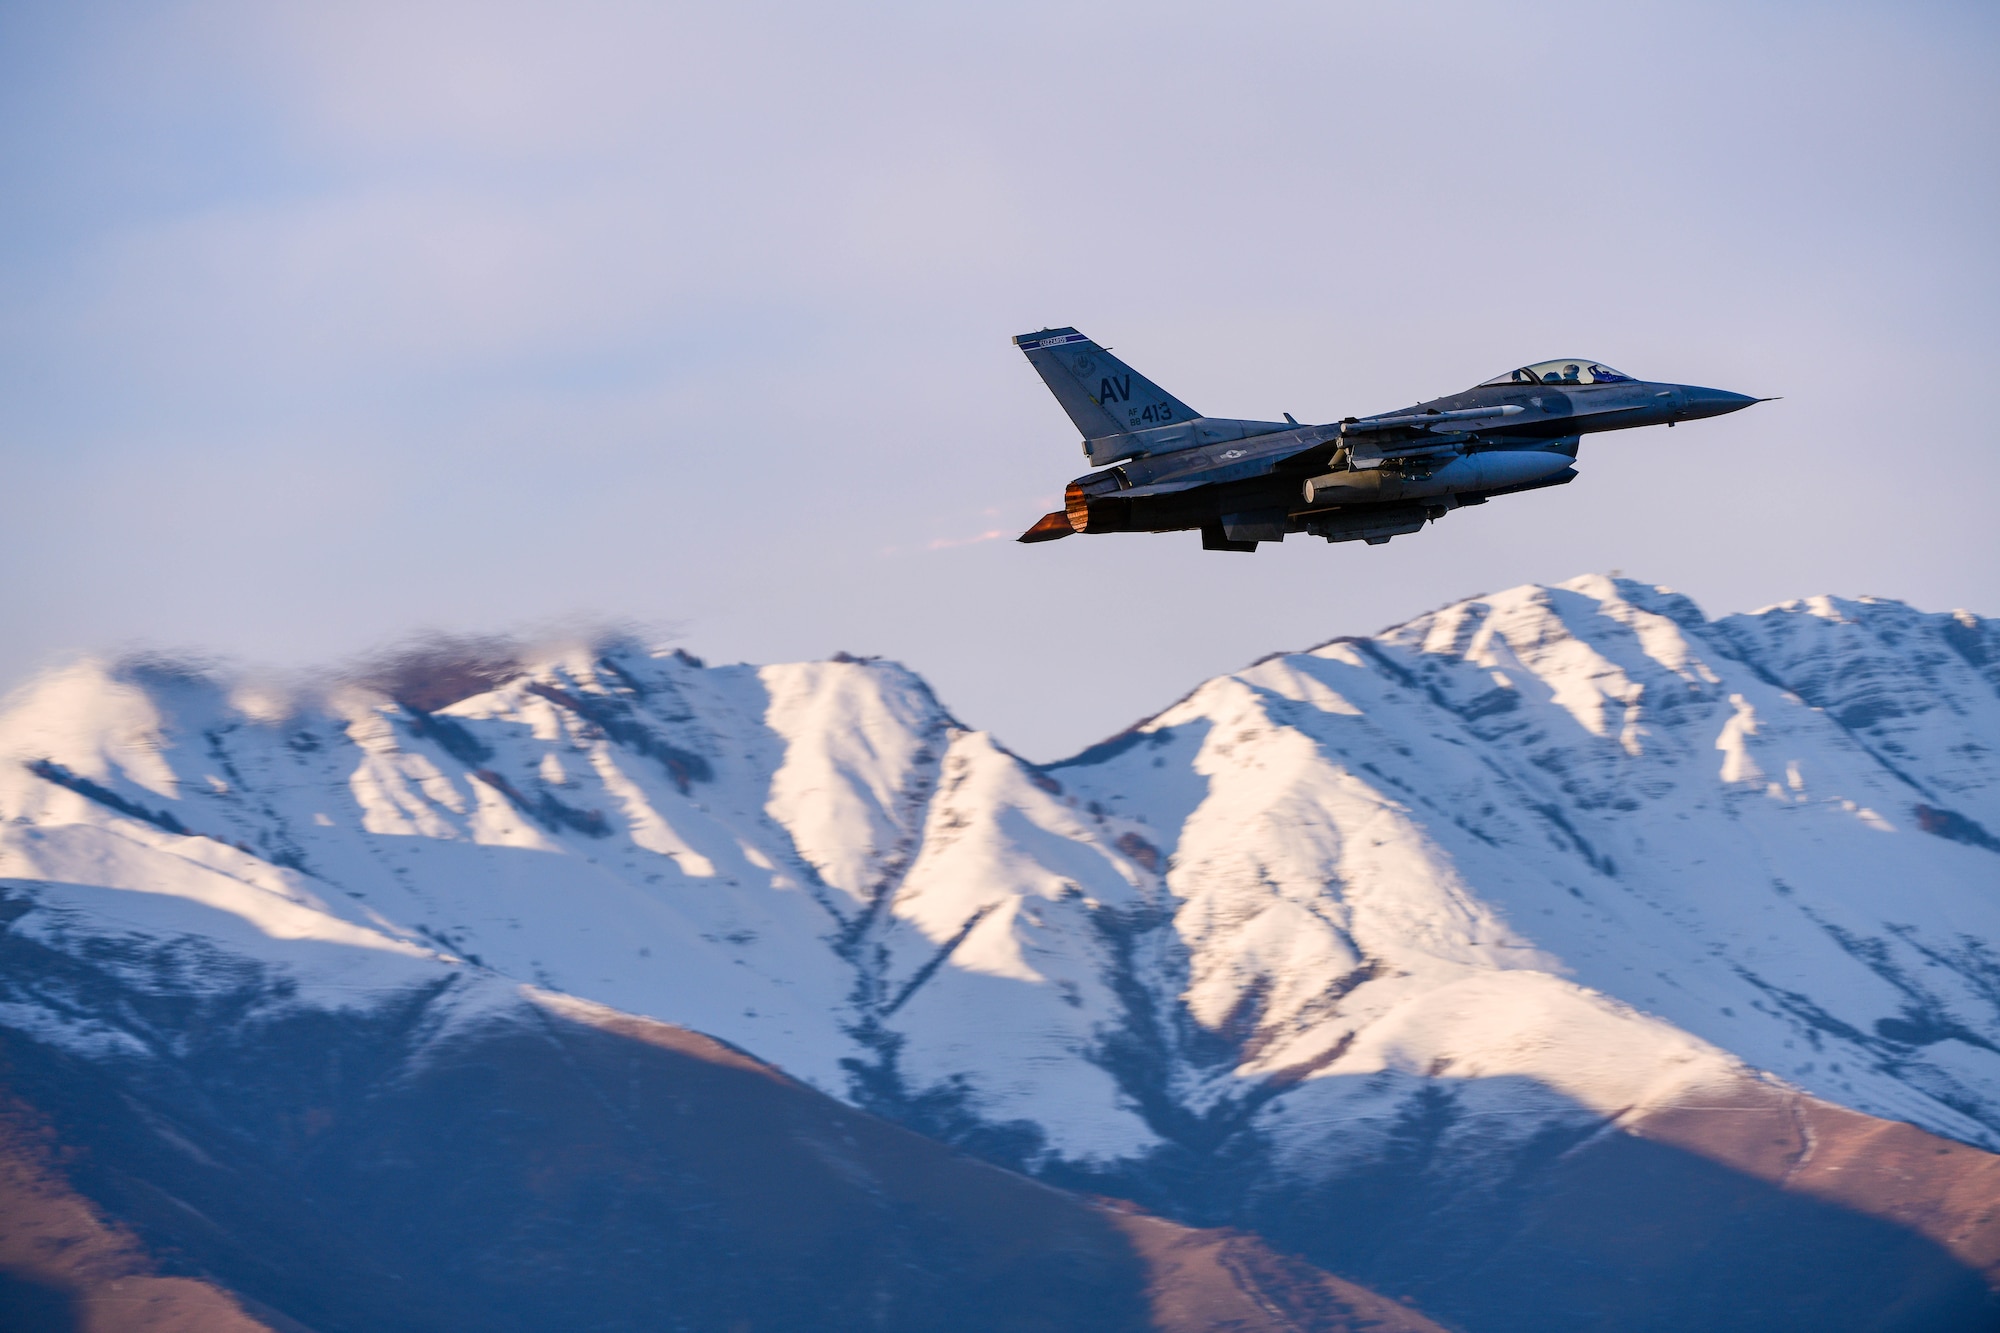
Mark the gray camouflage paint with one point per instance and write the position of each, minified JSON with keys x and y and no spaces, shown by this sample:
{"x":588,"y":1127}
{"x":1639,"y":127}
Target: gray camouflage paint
{"x":1361,"y":478}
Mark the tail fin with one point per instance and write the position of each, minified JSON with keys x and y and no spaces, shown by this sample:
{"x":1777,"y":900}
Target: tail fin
{"x":1103,"y":395}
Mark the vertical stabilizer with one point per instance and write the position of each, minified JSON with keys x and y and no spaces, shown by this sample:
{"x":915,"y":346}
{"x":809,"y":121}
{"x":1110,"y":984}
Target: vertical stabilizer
{"x":1103,"y":396}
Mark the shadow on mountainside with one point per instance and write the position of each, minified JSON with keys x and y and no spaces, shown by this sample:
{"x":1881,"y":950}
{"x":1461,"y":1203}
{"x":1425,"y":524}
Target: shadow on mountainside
{"x":1759,"y":1210}
{"x":1585,"y":1231}
{"x":358,"y":1170}
{"x":532,"y":1171}
{"x":31,"y":1306}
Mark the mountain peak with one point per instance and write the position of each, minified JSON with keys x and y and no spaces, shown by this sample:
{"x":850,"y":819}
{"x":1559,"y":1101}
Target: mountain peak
{"x":1539,"y":867}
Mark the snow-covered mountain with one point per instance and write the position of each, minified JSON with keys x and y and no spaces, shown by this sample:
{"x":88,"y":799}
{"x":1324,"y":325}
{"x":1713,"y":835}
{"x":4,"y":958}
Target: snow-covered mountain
{"x":1447,"y":917}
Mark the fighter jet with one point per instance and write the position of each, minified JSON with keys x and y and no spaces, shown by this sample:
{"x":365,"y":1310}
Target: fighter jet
{"x":1357,"y":479}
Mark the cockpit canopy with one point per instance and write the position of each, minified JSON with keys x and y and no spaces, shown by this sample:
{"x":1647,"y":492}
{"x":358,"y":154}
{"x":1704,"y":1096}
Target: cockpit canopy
{"x":1568,"y":370}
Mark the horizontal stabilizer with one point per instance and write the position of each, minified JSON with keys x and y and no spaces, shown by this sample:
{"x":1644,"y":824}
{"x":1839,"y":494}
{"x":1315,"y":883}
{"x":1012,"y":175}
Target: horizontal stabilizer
{"x":1166,"y":487}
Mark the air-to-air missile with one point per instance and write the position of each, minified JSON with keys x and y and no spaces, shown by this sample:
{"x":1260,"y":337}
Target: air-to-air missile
{"x":1165,"y":467}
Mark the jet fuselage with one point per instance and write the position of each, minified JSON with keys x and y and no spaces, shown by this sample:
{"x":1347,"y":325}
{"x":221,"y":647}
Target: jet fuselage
{"x":1365,"y":478}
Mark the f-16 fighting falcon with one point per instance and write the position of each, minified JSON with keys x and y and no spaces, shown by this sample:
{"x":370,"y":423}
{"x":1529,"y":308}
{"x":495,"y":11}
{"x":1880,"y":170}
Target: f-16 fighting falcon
{"x":1360,"y":478}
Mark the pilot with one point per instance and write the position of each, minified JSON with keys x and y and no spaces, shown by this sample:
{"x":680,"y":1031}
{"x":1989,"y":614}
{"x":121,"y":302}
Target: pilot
{"x":1569,"y":374}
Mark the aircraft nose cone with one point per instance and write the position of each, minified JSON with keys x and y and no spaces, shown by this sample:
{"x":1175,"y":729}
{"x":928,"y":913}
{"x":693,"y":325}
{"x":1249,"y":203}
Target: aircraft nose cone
{"x":1712,"y":402}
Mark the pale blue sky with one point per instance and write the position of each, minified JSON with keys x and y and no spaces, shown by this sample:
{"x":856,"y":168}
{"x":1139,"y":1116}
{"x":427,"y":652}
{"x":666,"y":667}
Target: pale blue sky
{"x":324,"y":324}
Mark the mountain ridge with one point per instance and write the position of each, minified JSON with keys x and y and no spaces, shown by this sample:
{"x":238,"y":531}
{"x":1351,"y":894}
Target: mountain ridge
{"x":1542,"y":879}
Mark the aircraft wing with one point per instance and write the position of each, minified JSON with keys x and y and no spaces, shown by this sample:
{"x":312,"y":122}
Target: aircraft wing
{"x":1466,"y":419}
{"x":1166,"y":487}
{"x":1211,"y":467}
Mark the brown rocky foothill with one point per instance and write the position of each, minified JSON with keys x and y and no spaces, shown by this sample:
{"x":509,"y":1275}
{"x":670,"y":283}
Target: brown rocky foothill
{"x":591,"y":1171}
{"x":64,"y":1266}
{"x":1944,"y":1191}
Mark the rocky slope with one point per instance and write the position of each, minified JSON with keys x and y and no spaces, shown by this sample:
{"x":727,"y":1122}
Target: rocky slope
{"x":466,"y":1156}
{"x":1562,"y":958}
